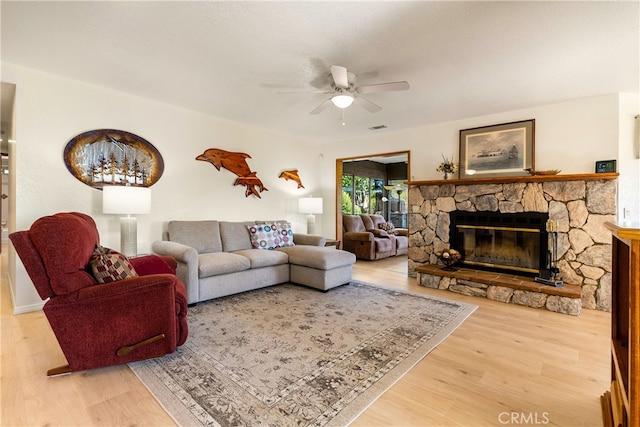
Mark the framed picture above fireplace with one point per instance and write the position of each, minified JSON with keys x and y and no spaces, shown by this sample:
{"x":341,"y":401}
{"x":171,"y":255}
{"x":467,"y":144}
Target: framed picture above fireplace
{"x":498,"y":150}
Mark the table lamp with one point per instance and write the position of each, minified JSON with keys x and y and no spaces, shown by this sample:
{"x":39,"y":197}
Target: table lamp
{"x":123,"y":199}
{"x":310,"y":206}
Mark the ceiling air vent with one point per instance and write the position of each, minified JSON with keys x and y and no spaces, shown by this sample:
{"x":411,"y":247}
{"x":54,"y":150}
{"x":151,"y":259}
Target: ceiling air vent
{"x":378,"y":127}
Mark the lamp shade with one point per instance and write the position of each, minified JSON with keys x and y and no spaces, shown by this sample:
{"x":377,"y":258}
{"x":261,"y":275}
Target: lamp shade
{"x":342,"y":101}
{"x":120,"y":199}
{"x":310,"y":205}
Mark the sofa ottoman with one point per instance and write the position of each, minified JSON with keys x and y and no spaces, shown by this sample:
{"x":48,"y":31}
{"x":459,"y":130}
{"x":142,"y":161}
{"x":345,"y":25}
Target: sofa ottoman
{"x":319,"y":267}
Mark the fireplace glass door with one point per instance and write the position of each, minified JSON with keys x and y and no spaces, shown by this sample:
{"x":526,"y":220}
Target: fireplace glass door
{"x":516,"y":249}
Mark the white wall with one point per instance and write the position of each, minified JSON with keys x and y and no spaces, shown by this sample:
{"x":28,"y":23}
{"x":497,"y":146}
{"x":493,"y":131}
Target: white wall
{"x":569,"y":136}
{"x":51,"y":110}
{"x":629,"y":161}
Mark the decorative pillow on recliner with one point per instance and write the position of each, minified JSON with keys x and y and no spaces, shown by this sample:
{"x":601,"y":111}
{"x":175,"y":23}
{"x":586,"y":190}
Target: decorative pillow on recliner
{"x":263,"y":236}
{"x":388,"y":227}
{"x":108,"y":265}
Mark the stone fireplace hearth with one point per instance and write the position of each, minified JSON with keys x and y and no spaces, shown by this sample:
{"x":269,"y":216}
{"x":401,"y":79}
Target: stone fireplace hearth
{"x":578,"y":204}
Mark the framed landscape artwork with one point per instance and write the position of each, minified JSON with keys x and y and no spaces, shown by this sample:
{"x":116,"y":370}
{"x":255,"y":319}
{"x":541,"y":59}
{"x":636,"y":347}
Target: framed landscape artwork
{"x":499,"y":150}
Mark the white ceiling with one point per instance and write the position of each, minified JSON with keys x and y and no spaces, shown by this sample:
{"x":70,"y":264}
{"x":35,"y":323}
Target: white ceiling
{"x":230,"y":59}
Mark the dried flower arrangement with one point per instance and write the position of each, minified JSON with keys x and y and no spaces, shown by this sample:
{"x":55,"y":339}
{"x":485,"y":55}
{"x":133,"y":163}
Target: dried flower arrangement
{"x":447,"y":166}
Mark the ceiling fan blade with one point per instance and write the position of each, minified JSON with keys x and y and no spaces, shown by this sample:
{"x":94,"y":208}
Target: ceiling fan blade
{"x":340,"y":76}
{"x":321,"y":107}
{"x":383,"y":87}
{"x":289,"y":91}
{"x":367,"y":105}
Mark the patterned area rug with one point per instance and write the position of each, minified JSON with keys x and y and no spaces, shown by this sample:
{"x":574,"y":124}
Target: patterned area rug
{"x":293,"y":356}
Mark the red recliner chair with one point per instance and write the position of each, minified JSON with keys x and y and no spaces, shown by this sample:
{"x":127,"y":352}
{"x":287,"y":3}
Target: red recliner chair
{"x":96,"y":324}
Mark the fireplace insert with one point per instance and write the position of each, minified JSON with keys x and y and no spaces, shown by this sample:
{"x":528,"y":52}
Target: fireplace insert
{"x":514,"y":243}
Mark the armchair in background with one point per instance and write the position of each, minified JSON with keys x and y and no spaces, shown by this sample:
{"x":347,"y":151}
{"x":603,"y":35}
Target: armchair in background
{"x":96,"y":324}
{"x":363,"y":237}
{"x":401,"y":235}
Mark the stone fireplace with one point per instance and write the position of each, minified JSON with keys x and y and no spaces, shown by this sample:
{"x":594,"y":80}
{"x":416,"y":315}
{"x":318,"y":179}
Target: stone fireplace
{"x":578,"y":205}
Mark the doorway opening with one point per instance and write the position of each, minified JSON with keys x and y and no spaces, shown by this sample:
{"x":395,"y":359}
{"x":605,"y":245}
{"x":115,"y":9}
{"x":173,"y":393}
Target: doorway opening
{"x":7,"y":136}
{"x":374,"y":184}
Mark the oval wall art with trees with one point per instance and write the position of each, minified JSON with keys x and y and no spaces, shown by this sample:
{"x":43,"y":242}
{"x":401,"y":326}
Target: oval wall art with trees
{"x":113,"y":157}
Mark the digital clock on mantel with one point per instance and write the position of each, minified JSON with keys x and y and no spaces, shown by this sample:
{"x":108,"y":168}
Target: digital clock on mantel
{"x":605,"y":166}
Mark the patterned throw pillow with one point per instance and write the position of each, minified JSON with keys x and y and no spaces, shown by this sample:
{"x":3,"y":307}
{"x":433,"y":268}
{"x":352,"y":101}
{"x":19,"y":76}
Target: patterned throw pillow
{"x":388,"y":227}
{"x":271,"y":236}
{"x":263,"y":236}
{"x":108,"y":265}
{"x":285,"y":233}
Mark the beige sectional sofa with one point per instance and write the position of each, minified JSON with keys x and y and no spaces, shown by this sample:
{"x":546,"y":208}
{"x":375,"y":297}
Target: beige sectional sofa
{"x":219,"y":258}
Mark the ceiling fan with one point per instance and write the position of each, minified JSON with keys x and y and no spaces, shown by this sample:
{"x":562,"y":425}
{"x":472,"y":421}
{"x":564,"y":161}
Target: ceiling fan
{"x":344,"y":91}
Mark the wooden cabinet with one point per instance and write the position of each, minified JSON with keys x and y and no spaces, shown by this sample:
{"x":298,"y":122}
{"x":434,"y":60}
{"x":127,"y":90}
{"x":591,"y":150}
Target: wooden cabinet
{"x":621,"y":404}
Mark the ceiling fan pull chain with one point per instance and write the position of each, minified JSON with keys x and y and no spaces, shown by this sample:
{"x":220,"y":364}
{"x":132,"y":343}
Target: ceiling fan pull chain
{"x":343,"y":123}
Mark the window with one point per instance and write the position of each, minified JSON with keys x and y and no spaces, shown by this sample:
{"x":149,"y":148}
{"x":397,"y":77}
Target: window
{"x":361,"y":194}
{"x":347,"y":194}
{"x":398,"y":193}
{"x":397,"y":196}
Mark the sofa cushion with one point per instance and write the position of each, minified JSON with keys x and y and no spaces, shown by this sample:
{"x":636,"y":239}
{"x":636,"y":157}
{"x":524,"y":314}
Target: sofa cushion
{"x":216,"y":263}
{"x":377,"y":220}
{"x":321,"y":258}
{"x":235,"y":235}
{"x":378,"y":232}
{"x":259,"y":259}
{"x":385,"y":245}
{"x":108,"y":265}
{"x":368,"y":222}
{"x":203,"y":236}
{"x":402,"y":242}
{"x":352,"y":223}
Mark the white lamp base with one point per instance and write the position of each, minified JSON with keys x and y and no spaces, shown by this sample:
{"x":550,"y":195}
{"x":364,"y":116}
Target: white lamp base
{"x":311,"y":224}
{"x":129,"y":236}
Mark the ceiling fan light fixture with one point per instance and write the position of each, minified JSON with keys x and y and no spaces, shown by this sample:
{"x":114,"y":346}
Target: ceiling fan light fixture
{"x":342,"y":101}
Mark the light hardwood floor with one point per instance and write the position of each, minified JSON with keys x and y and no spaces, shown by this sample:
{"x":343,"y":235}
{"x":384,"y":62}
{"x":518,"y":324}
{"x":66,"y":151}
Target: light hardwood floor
{"x":506,"y":365}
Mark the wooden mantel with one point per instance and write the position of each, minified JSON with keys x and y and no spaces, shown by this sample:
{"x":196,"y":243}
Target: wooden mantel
{"x":521,"y":178}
